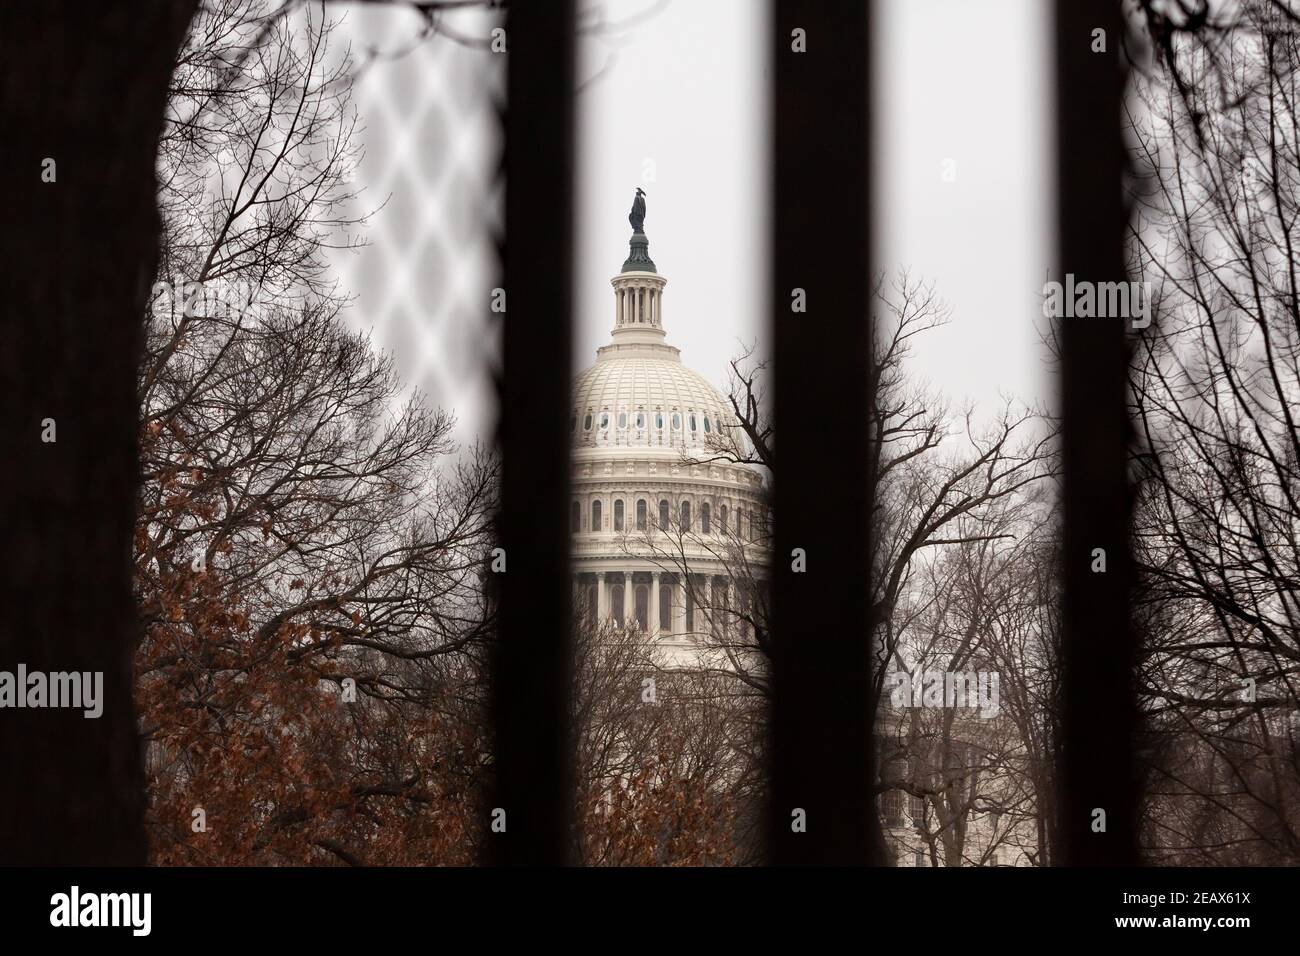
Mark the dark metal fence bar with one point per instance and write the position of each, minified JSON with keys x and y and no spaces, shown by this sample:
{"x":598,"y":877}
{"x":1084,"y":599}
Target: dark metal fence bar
{"x":821,"y":807}
{"x":1099,"y":710}
{"x":530,"y":673}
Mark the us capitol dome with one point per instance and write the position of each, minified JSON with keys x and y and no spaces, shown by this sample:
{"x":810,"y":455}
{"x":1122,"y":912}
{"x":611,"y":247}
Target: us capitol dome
{"x":662,"y":522}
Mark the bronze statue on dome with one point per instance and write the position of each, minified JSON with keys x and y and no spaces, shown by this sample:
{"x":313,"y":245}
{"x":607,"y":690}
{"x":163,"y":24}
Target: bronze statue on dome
{"x":637,"y":216}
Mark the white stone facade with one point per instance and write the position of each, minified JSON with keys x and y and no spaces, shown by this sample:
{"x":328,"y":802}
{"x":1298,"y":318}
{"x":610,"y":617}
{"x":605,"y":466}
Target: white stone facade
{"x":648,"y":506}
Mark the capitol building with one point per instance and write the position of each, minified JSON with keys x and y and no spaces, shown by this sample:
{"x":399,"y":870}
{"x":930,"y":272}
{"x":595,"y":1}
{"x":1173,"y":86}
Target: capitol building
{"x":669,"y":536}
{"x":662,"y":517}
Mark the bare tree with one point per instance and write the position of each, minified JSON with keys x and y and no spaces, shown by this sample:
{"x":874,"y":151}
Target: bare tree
{"x":1025,"y":646}
{"x":81,"y":162}
{"x":936,"y":475}
{"x":308,"y":556}
{"x":664,"y":772}
{"x":958,"y":754}
{"x":944,"y":484}
{"x":1216,"y":380}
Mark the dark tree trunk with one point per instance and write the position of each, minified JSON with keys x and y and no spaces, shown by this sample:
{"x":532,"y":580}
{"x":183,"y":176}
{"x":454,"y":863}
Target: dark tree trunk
{"x":84,"y":85}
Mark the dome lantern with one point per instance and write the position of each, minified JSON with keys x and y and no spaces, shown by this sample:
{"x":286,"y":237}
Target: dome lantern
{"x":638,"y":289}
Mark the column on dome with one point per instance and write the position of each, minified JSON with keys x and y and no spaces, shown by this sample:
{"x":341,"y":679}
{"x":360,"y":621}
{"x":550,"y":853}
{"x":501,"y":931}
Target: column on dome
{"x":602,"y":597}
{"x":629,"y":600}
{"x":654,"y":602}
{"x":725,"y":619}
{"x":713,"y":595}
{"x":679,"y":605}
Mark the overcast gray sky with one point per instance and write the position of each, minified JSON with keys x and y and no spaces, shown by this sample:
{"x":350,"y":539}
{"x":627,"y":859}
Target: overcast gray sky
{"x":970,"y":82}
{"x":674,"y":104}
{"x":674,"y":99}
{"x":680,"y":110}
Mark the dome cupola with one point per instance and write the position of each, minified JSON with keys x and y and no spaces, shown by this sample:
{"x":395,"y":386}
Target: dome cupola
{"x":638,"y":393}
{"x":638,"y":292}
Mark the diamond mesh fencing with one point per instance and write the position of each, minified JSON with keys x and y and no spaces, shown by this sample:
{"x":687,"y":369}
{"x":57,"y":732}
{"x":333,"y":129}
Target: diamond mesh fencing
{"x":427,"y":98}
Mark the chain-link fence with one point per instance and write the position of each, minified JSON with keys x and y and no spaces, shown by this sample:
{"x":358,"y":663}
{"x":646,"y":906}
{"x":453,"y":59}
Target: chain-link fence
{"x":428,"y":97}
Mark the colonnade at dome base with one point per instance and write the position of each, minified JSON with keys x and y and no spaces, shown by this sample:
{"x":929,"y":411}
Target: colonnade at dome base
{"x":660,"y":604}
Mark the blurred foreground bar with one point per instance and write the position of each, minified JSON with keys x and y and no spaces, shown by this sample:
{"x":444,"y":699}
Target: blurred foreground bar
{"x":530,"y":673}
{"x":1099,"y":709}
{"x":822,"y":766}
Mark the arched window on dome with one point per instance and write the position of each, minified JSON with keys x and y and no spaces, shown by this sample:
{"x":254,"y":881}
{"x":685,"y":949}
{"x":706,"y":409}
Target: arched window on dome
{"x":604,"y":420}
{"x":692,"y":421}
{"x":706,"y":516}
{"x":641,"y":515}
{"x":575,"y":517}
{"x":642,"y":606}
{"x":707,"y":429}
{"x":622,"y":419}
{"x":640,"y":419}
{"x":663,"y":514}
{"x":666,"y":608}
{"x":618,"y":515}
{"x":586,"y":423}
{"x":722,"y":519}
{"x":595,"y":516}
{"x":686,"y":516}
{"x":659,"y":420}
{"x":616,"y":602}
{"x":677,"y":422}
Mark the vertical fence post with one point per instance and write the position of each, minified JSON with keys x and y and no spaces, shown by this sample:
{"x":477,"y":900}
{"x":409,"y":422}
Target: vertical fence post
{"x":530,"y":663}
{"x":821,"y":808}
{"x":1099,"y":714}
